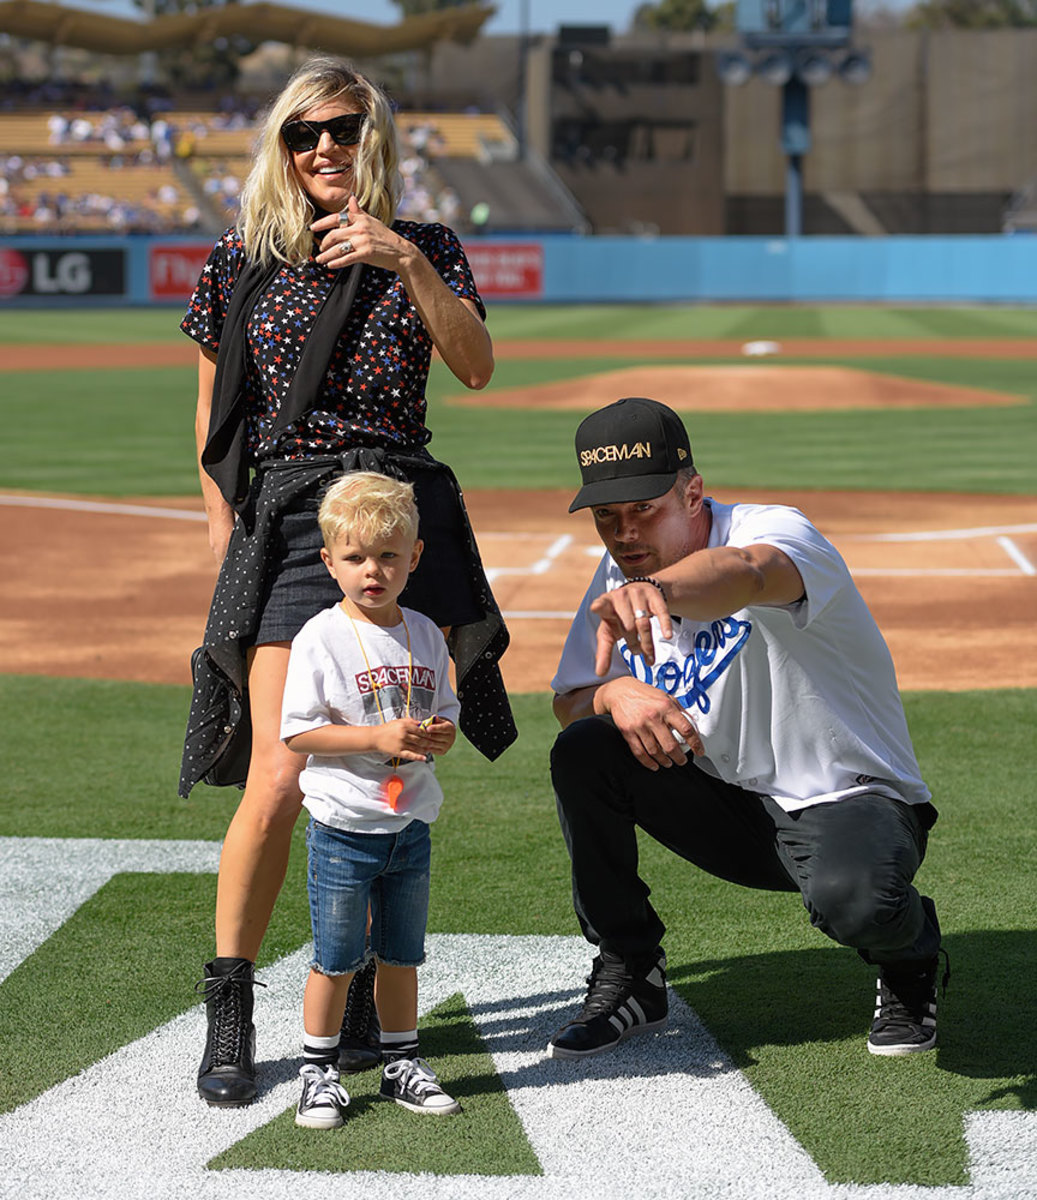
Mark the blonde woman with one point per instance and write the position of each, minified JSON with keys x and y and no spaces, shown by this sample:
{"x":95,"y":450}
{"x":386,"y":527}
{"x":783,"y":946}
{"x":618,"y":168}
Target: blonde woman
{"x":316,"y":317}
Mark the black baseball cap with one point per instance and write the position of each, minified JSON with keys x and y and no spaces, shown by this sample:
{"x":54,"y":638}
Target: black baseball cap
{"x":630,"y":450}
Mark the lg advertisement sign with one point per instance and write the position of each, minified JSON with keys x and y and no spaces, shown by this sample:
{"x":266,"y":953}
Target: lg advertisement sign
{"x":62,"y":272}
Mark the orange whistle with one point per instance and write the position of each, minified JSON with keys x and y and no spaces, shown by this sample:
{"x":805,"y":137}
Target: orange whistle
{"x":393,"y":789}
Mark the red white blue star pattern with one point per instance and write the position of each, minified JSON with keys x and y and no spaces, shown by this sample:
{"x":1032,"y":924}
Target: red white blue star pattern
{"x":374,"y":390}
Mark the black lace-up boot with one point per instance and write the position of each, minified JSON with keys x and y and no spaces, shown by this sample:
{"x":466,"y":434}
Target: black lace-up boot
{"x":360,"y":1048}
{"x":227,"y":1076}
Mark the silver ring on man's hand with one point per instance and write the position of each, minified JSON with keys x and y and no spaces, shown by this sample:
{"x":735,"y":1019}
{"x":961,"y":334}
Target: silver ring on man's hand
{"x":639,"y":613}
{"x":347,"y":246}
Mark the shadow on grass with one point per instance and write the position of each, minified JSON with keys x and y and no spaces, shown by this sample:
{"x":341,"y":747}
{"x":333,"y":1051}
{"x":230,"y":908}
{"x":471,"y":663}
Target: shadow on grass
{"x":795,"y":998}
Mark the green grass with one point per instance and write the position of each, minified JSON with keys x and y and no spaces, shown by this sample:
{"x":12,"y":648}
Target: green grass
{"x":489,"y":1140}
{"x":608,"y":322}
{"x":790,"y":1008}
{"x":787,"y":1006}
{"x":129,"y":433}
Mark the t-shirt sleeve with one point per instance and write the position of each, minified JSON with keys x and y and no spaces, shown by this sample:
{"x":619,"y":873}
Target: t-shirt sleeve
{"x":447,"y":705}
{"x":304,"y":705}
{"x":207,"y":308}
{"x":576,"y":666}
{"x":444,"y":250}
{"x":820,"y":565}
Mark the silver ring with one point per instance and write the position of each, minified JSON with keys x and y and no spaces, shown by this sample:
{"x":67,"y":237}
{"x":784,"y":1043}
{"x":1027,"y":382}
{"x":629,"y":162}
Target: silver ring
{"x":343,"y":217}
{"x":347,"y":246}
{"x":639,"y":613}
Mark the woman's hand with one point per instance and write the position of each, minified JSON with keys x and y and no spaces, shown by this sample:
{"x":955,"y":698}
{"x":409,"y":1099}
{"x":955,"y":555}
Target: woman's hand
{"x":453,"y":322}
{"x":362,"y":238}
{"x":221,"y":526}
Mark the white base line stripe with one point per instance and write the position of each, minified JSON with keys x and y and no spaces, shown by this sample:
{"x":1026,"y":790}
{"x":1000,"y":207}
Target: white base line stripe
{"x":1017,"y":556}
{"x":561,"y":544}
{"x":941,"y":535}
{"x":938,"y":572}
{"x":98,"y":506}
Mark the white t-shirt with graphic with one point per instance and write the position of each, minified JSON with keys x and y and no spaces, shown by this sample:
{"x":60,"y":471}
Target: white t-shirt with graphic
{"x":329,"y":683}
{"x":798,"y":702}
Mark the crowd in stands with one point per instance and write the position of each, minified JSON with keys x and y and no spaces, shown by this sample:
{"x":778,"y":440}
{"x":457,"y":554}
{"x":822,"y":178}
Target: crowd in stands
{"x":94,"y":126}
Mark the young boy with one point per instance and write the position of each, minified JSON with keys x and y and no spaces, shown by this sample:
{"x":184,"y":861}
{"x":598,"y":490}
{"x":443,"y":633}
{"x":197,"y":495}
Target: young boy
{"x":368,"y":699}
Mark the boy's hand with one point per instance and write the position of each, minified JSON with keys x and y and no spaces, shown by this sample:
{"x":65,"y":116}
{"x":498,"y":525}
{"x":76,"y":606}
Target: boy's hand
{"x":441,"y":734}
{"x":403,"y":738}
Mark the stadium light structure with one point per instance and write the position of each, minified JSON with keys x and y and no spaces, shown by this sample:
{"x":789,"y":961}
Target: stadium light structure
{"x":796,"y":45}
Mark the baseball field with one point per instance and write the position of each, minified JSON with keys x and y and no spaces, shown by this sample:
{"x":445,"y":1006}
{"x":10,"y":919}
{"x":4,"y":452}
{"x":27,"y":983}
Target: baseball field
{"x":907,"y":435}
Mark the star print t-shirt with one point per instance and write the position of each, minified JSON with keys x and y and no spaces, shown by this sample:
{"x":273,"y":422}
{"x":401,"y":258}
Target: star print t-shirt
{"x":374,"y":390}
{"x":799,"y":702}
{"x":335,"y":678}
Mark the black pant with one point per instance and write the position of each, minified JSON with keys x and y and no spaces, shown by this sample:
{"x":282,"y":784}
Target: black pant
{"x":852,"y":861}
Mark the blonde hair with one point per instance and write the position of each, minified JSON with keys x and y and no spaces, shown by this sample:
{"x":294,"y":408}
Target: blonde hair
{"x":367,"y":506}
{"x":276,"y":210}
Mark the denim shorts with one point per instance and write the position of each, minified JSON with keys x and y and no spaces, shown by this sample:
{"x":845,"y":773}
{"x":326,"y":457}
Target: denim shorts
{"x":346,"y":872}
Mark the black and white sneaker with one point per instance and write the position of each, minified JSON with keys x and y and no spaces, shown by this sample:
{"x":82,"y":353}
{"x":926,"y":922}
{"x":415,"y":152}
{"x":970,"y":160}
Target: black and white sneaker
{"x":905,"y":1008}
{"x":412,"y":1083}
{"x":623,"y":999}
{"x":323,"y":1102}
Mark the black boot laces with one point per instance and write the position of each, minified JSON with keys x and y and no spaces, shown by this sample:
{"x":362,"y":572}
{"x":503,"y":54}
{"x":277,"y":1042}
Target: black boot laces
{"x":610,"y":983}
{"x":229,"y":1031}
{"x":356,"y":1021}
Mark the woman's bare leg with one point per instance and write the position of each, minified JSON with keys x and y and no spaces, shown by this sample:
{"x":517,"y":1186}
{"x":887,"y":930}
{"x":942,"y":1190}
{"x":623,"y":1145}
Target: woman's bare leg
{"x":255,"y":851}
{"x":252,"y":869}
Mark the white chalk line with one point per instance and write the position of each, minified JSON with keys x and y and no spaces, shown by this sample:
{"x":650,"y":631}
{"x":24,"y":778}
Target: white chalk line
{"x":100,"y":506}
{"x":545,"y":563}
{"x":941,"y":535}
{"x":1017,"y":556}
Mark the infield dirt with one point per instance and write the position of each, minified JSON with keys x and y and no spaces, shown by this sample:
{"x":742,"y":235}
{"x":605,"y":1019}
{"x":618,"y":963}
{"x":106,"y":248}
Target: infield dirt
{"x":115,"y":595}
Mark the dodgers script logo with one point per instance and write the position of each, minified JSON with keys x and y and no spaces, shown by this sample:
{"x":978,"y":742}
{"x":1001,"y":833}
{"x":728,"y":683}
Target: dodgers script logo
{"x":690,"y":679}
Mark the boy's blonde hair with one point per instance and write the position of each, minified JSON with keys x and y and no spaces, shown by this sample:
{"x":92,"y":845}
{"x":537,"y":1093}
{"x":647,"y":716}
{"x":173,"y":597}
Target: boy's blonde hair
{"x":367,"y":506}
{"x":276,"y":211}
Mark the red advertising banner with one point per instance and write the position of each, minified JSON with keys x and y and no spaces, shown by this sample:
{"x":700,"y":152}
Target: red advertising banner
{"x":507,"y":270}
{"x":173,"y":269}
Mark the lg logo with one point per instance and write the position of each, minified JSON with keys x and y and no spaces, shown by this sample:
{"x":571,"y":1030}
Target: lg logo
{"x":61,"y":272}
{"x":65,"y":274}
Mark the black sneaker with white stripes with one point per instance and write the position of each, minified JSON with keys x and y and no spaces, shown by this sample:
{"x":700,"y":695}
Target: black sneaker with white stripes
{"x":623,"y":998}
{"x":905,"y":1008}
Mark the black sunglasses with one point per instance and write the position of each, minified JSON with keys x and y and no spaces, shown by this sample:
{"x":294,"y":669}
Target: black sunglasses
{"x":304,"y":135}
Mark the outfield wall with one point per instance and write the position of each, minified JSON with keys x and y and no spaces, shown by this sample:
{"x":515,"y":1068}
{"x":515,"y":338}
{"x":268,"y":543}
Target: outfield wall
{"x":44,"y":272}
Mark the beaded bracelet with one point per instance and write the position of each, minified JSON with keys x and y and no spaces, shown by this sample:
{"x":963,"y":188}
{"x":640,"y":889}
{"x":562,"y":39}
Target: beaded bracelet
{"x":647,"y":579}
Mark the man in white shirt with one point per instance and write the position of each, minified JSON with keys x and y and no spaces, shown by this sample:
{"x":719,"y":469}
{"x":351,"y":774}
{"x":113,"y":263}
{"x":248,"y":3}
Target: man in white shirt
{"x":724,"y":687}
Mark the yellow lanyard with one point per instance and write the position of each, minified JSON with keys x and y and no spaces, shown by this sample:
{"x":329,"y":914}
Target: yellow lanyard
{"x":394,"y":786}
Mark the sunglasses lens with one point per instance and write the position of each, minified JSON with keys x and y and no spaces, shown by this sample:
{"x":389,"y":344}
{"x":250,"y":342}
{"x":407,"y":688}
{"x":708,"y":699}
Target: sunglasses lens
{"x":346,"y":130}
{"x":298,"y":136}
{"x":304,"y":135}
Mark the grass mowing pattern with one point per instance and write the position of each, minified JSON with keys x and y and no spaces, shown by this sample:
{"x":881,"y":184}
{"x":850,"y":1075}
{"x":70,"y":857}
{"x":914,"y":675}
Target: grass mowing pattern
{"x":488,"y":1138}
{"x":128,"y":433}
{"x":611,"y":322}
{"x":122,"y":965}
{"x":789,"y":1007}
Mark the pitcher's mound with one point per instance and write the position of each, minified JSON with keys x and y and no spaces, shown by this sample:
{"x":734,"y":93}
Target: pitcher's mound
{"x":743,"y":388}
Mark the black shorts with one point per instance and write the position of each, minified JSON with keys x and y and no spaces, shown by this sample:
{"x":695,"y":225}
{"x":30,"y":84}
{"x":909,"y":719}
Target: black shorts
{"x":299,"y":585}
